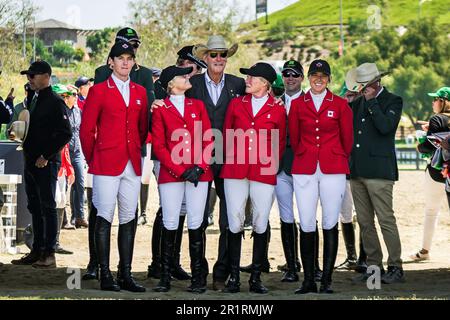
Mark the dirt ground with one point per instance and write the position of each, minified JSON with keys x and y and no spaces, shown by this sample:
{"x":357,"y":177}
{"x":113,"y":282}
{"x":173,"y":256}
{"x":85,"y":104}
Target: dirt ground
{"x":426,"y":280}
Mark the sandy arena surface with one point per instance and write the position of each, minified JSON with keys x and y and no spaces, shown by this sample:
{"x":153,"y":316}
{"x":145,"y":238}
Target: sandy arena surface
{"x":426,"y":280}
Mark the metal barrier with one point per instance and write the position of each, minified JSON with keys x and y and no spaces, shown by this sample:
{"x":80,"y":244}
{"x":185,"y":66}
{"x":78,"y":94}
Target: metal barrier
{"x":410,"y":156}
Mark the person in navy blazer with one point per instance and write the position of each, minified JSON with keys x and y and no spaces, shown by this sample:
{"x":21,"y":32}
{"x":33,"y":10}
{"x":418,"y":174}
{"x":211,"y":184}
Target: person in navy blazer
{"x":321,"y":135}
{"x":114,"y":126}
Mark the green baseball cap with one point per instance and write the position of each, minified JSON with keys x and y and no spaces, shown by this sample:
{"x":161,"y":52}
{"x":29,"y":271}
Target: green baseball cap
{"x":443,"y":93}
{"x":61,"y":89}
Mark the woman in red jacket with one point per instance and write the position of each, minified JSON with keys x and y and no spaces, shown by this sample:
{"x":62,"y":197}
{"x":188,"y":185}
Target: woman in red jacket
{"x":182,"y":141}
{"x":114,"y":126}
{"x":321,"y":133}
{"x":254,"y":139}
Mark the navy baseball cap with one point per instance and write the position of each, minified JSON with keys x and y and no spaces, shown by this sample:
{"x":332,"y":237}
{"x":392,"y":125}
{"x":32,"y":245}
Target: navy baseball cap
{"x":186,"y":54}
{"x":261,"y":69}
{"x":120,"y":48}
{"x":82,"y":81}
{"x":319,"y":66}
{"x":171,"y":72}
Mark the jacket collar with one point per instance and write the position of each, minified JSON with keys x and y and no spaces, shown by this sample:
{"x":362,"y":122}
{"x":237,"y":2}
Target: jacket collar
{"x":247,"y":100}
{"x":169,"y":105}
{"x":327,"y":101}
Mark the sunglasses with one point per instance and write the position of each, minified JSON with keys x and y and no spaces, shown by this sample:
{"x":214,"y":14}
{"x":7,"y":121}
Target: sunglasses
{"x":290,"y":74}
{"x":223,"y":54}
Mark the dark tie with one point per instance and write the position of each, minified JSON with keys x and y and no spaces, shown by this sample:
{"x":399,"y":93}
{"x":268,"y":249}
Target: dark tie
{"x":32,"y":104}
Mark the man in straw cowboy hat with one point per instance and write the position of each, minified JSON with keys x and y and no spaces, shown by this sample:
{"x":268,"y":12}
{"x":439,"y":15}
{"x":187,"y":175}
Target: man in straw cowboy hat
{"x":374,"y":169}
{"x":216,"y":89}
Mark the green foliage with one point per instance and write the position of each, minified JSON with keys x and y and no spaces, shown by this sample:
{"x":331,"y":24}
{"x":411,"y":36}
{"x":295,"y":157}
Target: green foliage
{"x":79,"y":54}
{"x":63,"y":51}
{"x":100,"y":40}
{"x":356,"y":27}
{"x":282,"y":30}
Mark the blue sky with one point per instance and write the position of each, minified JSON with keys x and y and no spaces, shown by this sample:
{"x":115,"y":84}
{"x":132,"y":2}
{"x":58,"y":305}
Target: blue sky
{"x":98,"y":14}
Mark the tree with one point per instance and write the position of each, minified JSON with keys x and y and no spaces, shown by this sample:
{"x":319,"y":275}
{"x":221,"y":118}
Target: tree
{"x":63,"y":51}
{"x":412,"y":82}
{"x":100,"y":40}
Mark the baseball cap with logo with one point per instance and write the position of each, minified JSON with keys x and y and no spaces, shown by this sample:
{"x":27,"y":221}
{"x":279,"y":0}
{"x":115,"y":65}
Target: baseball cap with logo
{"x":443,"y":93}
{"x":294,"y":66}
{"x":186,"y":54}
{"x":120,"y":48}
{"x":127,"y":34}
{"x":38,"y":67}
{"x":319,"y":65}
{"x":261,"y":69}
{"x":82,"y":81}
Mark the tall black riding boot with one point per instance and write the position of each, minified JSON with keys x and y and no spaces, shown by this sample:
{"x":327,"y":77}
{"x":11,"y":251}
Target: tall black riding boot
{"x":361,"y":265}
{"x":125,"y":241}
{"x":154,"y":269}
{"x":167,"y":248}
{"x":259,"y":255}
{"x":177,"y":271}
{"x":317,"y":270}
{"x":234,"y":251}
{"x":266,"y":264}
{"x":348,"y":232}
{"x":59,"y":249}
{"x":330,"y":248}
{"x":197,"y":254}
{"x":102,"y":245}
{"x":307,"y":252}
{"x":142,"y":220}
{"x":92,"y":267}
{"x":298,"y":265}
{"x":288,"y":241}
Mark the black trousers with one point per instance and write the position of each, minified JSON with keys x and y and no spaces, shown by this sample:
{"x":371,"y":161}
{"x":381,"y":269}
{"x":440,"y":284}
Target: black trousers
{"x":40,"y":187}
{"x":221,"y":269}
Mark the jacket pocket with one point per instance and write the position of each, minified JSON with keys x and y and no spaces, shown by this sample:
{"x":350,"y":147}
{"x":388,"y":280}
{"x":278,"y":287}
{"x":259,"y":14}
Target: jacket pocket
{"x":379,"y":152}
{"x":339,"y":152}
{"x":105,"y":145}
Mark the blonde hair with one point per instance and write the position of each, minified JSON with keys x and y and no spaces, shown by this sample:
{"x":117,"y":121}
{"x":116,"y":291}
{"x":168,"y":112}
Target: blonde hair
{"x":170,"y":86}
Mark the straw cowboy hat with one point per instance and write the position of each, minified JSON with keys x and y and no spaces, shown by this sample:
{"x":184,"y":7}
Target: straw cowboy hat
{"x":350,"y":81}
{"x":368,"y":73}
{"x":19,"y":128}
{"x":215,"y":43}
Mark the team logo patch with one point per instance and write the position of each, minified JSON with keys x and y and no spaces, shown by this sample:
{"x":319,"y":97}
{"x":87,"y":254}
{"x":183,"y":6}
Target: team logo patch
{"x":268,"y":116}
{"x":318,"y":64}
{"x":330,"y":114}
{"x":193,"y":116}
{"x":138,"y":102}
{"x":125,"y":46}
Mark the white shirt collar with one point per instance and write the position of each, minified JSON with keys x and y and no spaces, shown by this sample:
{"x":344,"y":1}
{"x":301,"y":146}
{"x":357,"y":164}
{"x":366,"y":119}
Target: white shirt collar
{"x":210,"y":81}
{"x":382,"y":88}
{"x":120,"y":82}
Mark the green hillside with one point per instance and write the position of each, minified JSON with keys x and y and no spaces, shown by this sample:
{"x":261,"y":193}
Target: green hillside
{"x":398,"y":12}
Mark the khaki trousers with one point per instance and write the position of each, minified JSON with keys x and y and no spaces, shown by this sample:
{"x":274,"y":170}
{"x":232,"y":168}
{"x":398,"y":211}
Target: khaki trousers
{"x":374,"y":197}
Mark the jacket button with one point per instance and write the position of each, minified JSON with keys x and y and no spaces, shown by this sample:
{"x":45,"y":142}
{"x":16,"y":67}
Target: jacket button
{"x":252,"y":132}
{"x":185,"y":134}
{"x":357,"y":145}
{"x":187,"y":142}
{"x":184,"y":126}
{"x":187,"y":150}
{"x":363,"y":120}
{"x":128,"y":141}
{"x":359,"y":132}
{"x":317,"y":121}
{"x":251,"y":140}
{"x":317,"y":129}
{"x":250,"y":148}
{"x":318,"y":145}
{"x":317,"y":137}
{"x":253,"y":123}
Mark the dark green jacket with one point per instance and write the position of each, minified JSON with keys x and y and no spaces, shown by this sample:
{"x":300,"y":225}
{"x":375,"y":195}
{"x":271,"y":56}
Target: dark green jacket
{"x":375,"y":123}
{"x":140,"y":75}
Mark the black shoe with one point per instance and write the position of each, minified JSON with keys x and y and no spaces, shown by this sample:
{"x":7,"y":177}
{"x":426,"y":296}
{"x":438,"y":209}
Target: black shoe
{"x":197,"y":254}
{"x":361,"y":266}
{"x":248,"y":269}
{"x":260,"y":243}
{"x":348,"y":265}
{"x":154,"y":271}
{"x":234,"y":257}
{"x":393,"y":275}
{"x":307,"y":287}
{"x":61,"y":250}
{"x":289,"y":276}
{"x":92,"y":272}
{"x":28,"y":259}
{"x":107,"y":282}
{"x":325,"y":288}
{"x":102,"y":245}
{"x":179,"y":273}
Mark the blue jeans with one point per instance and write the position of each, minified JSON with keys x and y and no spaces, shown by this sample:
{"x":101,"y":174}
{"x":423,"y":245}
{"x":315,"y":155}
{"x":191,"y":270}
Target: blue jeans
{"x":77,"y":190}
